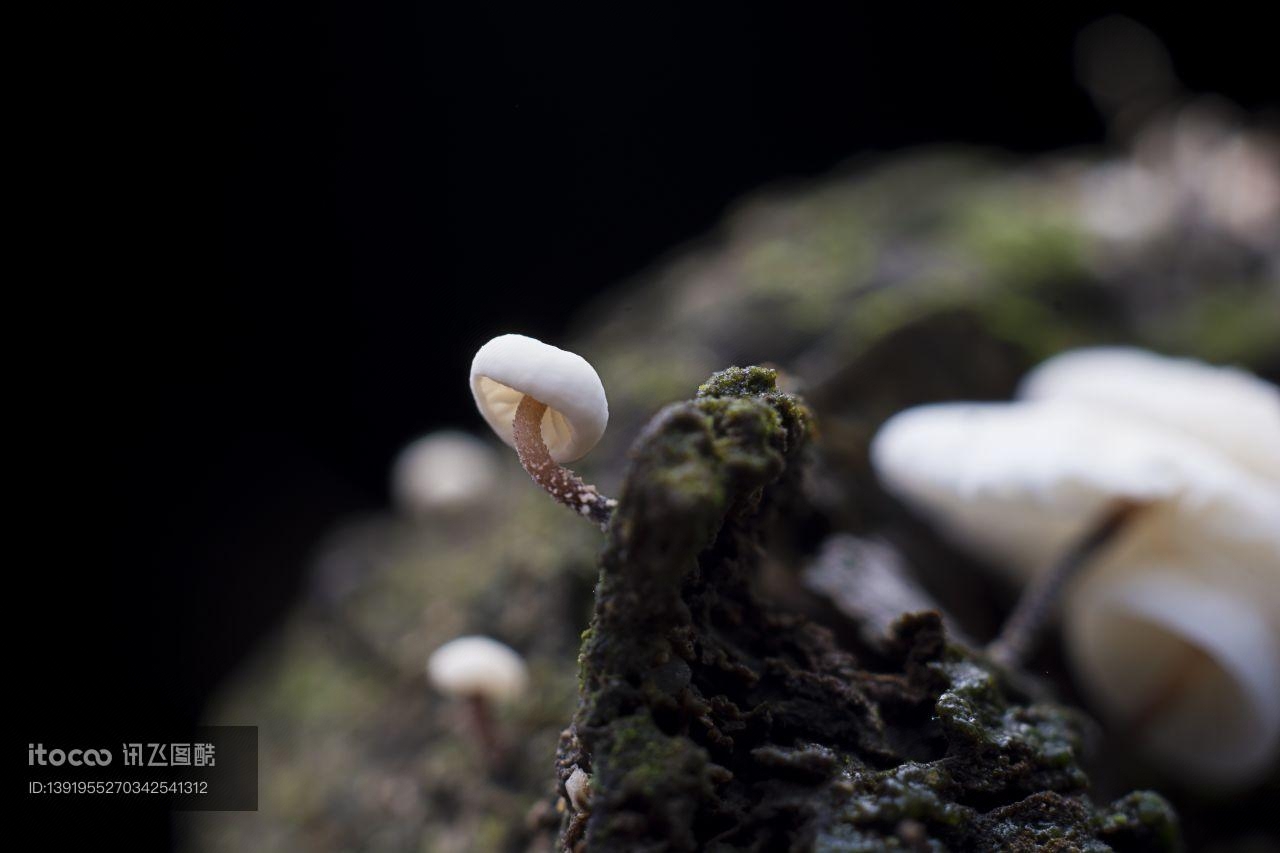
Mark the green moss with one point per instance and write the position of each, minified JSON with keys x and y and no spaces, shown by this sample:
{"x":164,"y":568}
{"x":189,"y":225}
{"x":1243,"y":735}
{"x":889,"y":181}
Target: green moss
{"x":1140,"y":820}
{"x":1018,"y":243}
{"x":641,"y":761}
{"x":740,"y":382}
{"x":911,"y":790}
{"x":1232,"y":324}
{"x":1044,"y":742}
{"x":704,"y":713}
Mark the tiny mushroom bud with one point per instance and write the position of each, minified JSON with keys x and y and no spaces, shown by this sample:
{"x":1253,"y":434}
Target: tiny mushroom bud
{"x":1174,"y":626}
{"x":441,"y":472}
{"x":578,"y":787}
{"x":550,"y":406}
{"x":481,"y":671}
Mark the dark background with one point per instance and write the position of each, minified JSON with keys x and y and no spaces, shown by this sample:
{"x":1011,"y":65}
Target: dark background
{"x":265,"y":241}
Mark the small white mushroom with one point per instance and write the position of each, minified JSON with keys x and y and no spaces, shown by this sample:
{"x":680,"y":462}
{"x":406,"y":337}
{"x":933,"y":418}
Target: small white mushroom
{"x":480,"y":671}
{"x":442,"y":472}
{"x":550,"y":405}
{"x":478,"y":666}
{"x":1174,"y":624}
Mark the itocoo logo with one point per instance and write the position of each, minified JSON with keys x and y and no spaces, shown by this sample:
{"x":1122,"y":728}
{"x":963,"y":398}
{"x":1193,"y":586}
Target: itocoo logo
{"x":37,"y":754}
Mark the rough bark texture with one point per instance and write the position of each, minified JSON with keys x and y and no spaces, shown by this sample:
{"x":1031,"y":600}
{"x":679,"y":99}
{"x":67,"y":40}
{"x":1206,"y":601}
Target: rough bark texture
{"x":710,"y":720}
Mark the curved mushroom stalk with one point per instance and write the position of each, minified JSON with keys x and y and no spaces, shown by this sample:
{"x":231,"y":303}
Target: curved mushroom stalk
{"x":550,"y":406}
{"x":556,"y":480}
{"x":1190,"y":670}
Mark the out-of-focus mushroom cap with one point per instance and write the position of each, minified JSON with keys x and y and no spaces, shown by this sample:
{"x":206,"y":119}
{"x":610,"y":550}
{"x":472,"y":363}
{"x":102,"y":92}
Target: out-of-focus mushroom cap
{"x":477,"y":666}
{"x":1229,"y":409}
{"x":1018,"y":482}
{"x":443,"y":471}
{"x":1133,"y":636}
{"x":511,"y":366}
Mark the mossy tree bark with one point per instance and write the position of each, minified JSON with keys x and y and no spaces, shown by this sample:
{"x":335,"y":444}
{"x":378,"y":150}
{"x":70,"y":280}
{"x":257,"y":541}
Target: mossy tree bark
{"x":710,"y":720}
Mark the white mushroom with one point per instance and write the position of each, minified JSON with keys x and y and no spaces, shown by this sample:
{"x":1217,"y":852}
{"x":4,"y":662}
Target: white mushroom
{"x":441,"y":472}
{"x":550,"y":406}
{"x":1191,"y":667}
{"x":481,"y":671}
{"x":478,"y":666}
{"x":1174,"y":627}
{"x":1016,"y":484}
{"x":1225,"y":407}
{"x":1019,"y":483}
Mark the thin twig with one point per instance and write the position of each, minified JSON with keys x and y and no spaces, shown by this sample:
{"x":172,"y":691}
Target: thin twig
{"x":1021,"y":630}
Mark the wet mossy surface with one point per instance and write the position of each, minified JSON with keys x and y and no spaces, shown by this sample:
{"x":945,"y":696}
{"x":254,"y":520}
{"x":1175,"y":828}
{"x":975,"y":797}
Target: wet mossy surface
{"x":711,"y":720}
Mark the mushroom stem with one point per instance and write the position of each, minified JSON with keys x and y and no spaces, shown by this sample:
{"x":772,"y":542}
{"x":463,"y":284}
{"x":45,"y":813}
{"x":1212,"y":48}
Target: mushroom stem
{"x":1017,"y":639}
{"x":486,"y":730}
{"x":556,"y":480}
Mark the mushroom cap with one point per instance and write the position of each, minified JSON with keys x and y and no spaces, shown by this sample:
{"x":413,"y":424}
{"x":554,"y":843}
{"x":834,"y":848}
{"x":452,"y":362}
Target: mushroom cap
{"x":1212,"y":653}
{"x":478,"y":666}
{"x":1019,"y":482}
{"x":442,"y":471}
{"x":1225,"y":407}
{"x":511,"y":366}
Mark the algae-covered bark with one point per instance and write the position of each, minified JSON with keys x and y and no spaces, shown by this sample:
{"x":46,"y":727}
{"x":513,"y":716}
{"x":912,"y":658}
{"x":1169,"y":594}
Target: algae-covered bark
{"x":712,"y":720}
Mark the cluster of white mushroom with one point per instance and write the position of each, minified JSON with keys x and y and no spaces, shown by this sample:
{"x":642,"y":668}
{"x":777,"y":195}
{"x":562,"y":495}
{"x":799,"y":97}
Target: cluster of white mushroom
{"x":1173,"y":624}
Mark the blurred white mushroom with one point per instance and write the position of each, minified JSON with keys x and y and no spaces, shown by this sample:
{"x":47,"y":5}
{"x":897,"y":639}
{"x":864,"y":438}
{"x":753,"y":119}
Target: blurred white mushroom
{"x":478,"y":666}
{"x":1189,"y":665}
{"x":481,"y":671}
{"x":1020,"y":482}
{"x":1111,"y":464}
{"x":441,"y":472}
{"x":1227,"y":408}
{"x":550,"y":406}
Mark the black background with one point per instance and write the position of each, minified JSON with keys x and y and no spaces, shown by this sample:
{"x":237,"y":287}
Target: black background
{"x":258,"y":244}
